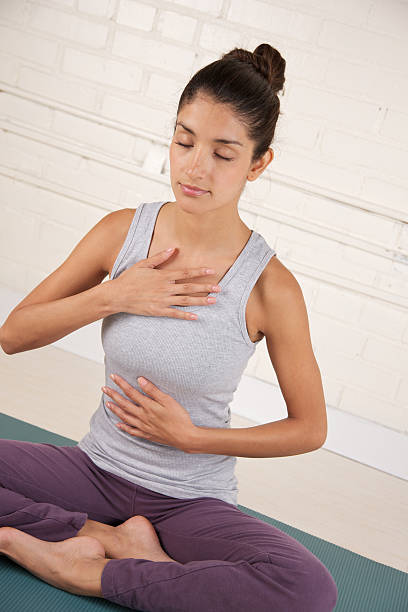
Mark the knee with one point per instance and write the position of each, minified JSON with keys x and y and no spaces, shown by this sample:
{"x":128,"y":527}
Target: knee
{"x":316,"y":591}
{"x":304,"y":586}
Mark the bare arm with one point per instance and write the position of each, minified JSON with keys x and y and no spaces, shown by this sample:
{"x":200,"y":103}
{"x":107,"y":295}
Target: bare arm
{"x":73,"y":295}
{"x":31,"y":327}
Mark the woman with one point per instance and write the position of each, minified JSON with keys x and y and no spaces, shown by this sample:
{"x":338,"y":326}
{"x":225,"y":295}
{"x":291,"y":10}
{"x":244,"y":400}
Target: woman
{"x":143,"y":511}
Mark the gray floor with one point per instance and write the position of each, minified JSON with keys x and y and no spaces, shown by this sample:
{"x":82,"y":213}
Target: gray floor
{"x":337,"y":499}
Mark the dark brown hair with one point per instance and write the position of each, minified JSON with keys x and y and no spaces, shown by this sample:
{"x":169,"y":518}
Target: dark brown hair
{"x":248,"y":82}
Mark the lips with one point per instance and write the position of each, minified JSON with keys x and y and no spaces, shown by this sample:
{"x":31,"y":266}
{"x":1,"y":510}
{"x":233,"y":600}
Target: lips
{"x":192,"y":189}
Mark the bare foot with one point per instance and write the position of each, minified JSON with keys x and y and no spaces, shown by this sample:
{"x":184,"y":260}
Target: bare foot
{"x":135,"y":538}
{"x":74,"y":565}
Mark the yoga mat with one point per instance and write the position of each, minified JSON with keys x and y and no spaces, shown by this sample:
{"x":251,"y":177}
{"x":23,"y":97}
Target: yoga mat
{"x":363,"y":584}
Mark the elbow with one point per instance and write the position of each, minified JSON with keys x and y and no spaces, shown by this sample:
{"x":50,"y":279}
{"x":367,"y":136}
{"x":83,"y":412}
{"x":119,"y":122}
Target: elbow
{"x":5,"y":343}
{"x":320,"y":440}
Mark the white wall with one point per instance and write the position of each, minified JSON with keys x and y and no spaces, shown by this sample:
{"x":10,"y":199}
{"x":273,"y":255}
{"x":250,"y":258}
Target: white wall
{"x":88,"y":97}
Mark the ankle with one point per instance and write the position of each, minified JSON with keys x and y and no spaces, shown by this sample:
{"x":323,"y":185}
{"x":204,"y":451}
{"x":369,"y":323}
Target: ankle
{"x":106,"y":534}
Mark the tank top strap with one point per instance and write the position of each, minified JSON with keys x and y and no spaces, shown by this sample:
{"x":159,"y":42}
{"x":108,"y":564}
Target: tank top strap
{"x":245,"y":272}
{"x":138,"y":238}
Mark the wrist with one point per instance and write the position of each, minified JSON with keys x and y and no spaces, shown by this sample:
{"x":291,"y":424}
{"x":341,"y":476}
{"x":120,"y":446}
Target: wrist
{"x":109,"y":300}
{"x":194,"y":442}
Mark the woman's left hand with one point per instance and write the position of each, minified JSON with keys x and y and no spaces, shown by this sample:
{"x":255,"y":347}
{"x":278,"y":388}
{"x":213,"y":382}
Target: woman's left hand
{"x":159,"y":417}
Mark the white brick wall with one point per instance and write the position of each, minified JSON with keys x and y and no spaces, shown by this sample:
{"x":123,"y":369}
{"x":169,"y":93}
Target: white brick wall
{"x":89,"y":90}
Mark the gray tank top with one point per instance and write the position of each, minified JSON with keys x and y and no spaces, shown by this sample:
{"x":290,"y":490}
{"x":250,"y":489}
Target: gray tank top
{"x":199,"y":363}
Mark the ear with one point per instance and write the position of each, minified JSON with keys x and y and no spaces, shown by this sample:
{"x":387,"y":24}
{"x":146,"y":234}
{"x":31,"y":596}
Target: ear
{"x":259,"y":166}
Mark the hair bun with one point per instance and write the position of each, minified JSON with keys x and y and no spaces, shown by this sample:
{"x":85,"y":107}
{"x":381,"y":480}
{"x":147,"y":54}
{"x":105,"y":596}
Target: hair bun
{"x":266,"y":60}
{"x":269,"y":62}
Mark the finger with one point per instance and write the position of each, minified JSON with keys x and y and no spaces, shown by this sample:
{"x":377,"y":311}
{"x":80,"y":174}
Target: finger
{"x":191,"y":288}
{"x":172,"y":275}
{"x":133,"y":431}
{"x":178,"y":314}
{"x":150,"y":388}
{"x":129,"y":419}
{"x":122,"y":401}
{"x":158,"y":258}
{"x":133,"y":393}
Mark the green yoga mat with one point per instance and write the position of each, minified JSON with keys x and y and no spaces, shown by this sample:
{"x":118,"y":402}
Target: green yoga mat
{"x":363,"y":584}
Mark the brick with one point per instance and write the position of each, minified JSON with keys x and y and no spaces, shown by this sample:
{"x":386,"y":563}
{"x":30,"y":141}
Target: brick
{"x":153,"y":52}
{"x":389,"y":18}
{"x":338,"y":303}
{"x":211,"y":7}
{"x":165,"y":89}
{"x":13,"y":276}
{"x":23,"y":148}
{"x":14,"y":11}
{"x":363,"y":152}
{"x":347,"y":10}
{"x":358,"y":373}
{"x":57,"y":88}
{"x":351,"y":220}
{"x":68,"y":26}
{"x":396,"y":126}
{"x":316,"y":171}
{"x":402,"y":242}
{"x":389,"y":355}
{"x":357,"y":79}
{"x":83,"y":182}
{"x":344,"y":338}
{"x":28,"y":46}
{"x":8,"y":69}
{"x":94,"y":134}
{"x":402,"y":399}
{"x":40,"y":202}
{"x":136,"y":114}
{"x":396,"y":283}
{"x":100,"y":8}
{"x":386,"y":193}
{"x":178,"y":27}
{"x":18,"y":235}
{"x":276,"y":21}
{"x":384,"y":319}
{"x":368,"y":405}
{"x":115,"y":176}
{"x":351,"y":42}
{"x":297,"y":131}
{"x":136,"y":15}
{"x":55,"y":243}
{"x":302,"y":65}
{"x":26,"y":111}
{"x":111,"y":73}
{"x":334,"y":107}
{"x":219,"y":39}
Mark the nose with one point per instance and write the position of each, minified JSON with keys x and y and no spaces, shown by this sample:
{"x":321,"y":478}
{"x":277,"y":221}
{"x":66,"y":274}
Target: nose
{"x":196,"y":166}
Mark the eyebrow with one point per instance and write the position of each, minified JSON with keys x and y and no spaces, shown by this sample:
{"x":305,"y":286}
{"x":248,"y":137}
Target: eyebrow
{"x":223,"y":140}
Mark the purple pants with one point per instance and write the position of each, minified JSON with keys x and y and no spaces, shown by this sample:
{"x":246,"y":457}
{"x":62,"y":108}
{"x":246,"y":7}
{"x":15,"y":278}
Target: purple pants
{"x":229,"y":561}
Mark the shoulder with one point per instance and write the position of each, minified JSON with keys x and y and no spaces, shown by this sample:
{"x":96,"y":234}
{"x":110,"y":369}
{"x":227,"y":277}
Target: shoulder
{"x":280,"y":297}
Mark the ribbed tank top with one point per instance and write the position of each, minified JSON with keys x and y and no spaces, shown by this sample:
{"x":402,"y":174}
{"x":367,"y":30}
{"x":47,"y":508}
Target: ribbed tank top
{"x":199,"y":363}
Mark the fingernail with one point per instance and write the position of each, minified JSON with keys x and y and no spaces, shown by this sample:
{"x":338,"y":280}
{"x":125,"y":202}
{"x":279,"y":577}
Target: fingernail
{"x":169,"y":250}
{"x":142,"y":380}
{"x":113,"y":377}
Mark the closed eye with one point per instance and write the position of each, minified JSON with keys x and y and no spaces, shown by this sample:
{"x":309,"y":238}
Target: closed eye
{"x":226,"y":158}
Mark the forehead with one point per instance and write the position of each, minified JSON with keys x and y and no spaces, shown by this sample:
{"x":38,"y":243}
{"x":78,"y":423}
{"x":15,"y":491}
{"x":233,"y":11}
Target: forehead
{"x":212,"y":119}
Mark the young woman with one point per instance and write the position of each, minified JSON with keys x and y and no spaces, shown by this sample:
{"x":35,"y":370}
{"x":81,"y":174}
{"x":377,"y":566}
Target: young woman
{"x":143,"y":511}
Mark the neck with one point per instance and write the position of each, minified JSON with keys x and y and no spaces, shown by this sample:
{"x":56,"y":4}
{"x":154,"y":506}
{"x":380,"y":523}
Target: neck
{"x":219,"y":231}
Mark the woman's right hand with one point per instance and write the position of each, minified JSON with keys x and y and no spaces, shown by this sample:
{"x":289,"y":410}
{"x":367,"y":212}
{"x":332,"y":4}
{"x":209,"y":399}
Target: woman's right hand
{"x":143,"y":290}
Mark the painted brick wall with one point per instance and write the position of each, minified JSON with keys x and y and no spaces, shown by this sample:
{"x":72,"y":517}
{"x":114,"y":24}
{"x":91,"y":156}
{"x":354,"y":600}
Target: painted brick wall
{"x":89,"y":90}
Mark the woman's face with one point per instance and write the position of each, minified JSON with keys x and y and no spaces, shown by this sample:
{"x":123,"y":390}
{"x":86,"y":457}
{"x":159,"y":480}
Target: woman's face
{"x":197,"y":159}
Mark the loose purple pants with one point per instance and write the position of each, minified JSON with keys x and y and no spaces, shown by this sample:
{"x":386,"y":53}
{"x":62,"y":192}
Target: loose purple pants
{"x":232,"y":562}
